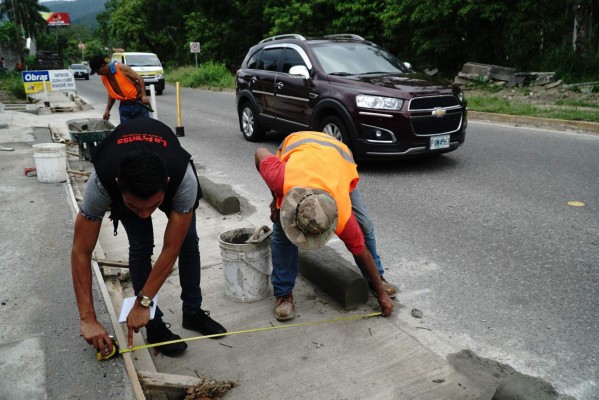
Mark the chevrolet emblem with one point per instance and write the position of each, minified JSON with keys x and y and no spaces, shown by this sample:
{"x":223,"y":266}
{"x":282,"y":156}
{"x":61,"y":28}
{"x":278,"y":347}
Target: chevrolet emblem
{"x":439,"y":112}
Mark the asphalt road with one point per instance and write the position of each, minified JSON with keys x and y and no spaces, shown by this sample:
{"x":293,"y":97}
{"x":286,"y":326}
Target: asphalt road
{"x":482,"y":240}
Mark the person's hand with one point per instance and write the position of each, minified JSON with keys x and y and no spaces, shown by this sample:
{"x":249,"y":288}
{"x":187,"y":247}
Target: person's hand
{"x":144,"y":99}
{"x":275,"y":213}
{"x":137,"y":318}
{"x":106,"y":115}
{"x":94,"y":333}
{"x":386,"y":305}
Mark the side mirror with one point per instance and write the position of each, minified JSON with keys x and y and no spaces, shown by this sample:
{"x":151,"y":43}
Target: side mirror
{"x":408,"y":66}
{"x":299,"y":70}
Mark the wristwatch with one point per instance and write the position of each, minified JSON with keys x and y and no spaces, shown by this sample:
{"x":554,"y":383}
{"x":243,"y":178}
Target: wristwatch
{"x":144,"y":301}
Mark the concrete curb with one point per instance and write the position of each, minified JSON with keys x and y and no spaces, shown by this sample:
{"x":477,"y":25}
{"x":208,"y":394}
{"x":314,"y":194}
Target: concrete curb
{"x":584,"y":126}
{"x":221,"y":197}
{"x":327,"y":270}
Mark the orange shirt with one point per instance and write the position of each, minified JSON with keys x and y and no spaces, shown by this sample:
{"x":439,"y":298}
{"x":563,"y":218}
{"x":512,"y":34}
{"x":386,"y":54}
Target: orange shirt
{"x":127,"y":88}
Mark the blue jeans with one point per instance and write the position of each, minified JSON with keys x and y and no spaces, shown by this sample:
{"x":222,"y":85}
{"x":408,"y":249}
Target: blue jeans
{"x":285,"y":255}
{"x":129,"y":111}
{"x":285,"y":261}
{"x":141,"y":245}
{"x":363,"y":217}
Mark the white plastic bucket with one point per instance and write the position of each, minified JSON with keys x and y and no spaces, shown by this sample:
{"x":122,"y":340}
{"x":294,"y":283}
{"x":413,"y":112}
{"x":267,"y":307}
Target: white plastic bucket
{"x":246,"y":265}
{"x":50,"y":162}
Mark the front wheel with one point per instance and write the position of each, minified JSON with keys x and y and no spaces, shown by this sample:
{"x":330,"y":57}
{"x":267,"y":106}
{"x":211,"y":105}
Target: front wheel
{"x":248,"y":123}
{"x":334,"y":127}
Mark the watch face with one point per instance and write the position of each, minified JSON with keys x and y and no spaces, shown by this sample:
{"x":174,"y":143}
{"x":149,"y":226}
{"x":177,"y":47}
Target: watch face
{"x":145,"y":301}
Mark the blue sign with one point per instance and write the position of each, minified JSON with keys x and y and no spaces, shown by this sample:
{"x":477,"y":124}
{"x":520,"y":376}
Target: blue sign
{"x":35,"y":76}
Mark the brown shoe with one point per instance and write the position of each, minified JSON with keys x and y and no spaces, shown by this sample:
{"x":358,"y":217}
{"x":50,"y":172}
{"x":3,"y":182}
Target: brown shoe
{"x":284,"y":308}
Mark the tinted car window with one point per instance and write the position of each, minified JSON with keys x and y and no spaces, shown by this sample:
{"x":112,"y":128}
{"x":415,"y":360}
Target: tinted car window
{"x":355,"y":59}
{"x":270,"y":59}
{"x":292,"y":58}
{"x":254,"y":61}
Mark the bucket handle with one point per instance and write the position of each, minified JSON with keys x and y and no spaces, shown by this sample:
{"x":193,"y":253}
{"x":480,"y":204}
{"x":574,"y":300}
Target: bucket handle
{"x":242,"y":258}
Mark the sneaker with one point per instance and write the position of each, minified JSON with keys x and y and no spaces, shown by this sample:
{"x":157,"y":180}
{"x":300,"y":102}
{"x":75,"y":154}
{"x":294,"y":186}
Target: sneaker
{"x":200,"y":321}
{"x":389,"y":288}
{"x":284,"y":308}
{"x":160,"y":332}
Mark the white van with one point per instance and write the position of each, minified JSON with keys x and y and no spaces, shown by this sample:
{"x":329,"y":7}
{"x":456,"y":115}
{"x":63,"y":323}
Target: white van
{"x":145,"y":64}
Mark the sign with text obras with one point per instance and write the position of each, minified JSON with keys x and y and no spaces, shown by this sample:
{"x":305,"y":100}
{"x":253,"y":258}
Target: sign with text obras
{"x":53,"y":80}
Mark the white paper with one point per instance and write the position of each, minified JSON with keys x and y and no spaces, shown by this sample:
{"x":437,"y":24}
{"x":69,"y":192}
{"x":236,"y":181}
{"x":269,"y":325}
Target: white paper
{"x":128,"y":305}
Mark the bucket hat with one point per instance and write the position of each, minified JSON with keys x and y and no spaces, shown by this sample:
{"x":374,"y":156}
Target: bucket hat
{"x":308,"y":217}
{"x":96,"y":62}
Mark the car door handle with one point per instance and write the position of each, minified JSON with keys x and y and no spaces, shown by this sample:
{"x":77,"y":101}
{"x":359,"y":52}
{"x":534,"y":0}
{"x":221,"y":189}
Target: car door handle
{"x":279,"y":85}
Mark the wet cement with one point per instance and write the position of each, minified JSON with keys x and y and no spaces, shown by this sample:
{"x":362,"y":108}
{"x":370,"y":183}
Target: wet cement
{"x":509,"y":383}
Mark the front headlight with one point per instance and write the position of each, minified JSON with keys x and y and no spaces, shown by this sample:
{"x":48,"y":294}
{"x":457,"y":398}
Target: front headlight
{"x":378,"y":102}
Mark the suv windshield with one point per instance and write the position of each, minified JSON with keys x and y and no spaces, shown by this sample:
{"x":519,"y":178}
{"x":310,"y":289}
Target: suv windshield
{"x":356,"y":59}
{"x":142,"y":60}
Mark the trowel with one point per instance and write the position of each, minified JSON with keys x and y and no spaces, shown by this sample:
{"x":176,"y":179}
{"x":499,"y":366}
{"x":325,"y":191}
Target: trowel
{"x":259,"y":234}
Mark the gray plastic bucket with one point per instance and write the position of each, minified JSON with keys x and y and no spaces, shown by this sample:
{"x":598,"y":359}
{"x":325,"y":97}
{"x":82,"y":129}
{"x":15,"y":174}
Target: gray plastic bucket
{"x":246,"y":265}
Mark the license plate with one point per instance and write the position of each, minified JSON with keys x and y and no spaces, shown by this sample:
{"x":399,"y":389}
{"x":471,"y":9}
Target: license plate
{"x":439,"y":142}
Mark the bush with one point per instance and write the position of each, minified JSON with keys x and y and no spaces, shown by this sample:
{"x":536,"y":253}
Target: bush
{"x":12,"y":84}
{"x":209,"y":74}
{"x":570,"y":67}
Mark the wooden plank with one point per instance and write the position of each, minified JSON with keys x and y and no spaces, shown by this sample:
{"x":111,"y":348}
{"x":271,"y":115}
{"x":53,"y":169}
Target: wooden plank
{"x":127,"y":359}
{"x":113,"y":263}
{"x":161,"y":381}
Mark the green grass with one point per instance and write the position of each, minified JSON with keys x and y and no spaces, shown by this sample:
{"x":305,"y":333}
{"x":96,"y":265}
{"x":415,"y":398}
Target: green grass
{"x":12,"y":84}
{"x":576,"y":103}
{"x":207,"y":75}
{"x":492,"y":104}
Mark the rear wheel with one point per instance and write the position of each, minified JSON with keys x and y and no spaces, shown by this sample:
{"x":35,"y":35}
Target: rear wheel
{"x":248,"y":123}
{"x":333,"y":126}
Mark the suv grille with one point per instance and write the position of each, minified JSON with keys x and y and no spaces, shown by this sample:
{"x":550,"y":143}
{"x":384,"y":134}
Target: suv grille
{"x":429,"y":103}
{"x":432,"y":125}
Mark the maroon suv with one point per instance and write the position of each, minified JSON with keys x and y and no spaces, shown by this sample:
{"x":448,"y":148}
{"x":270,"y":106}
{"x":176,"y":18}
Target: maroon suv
{"x":351,"y":89}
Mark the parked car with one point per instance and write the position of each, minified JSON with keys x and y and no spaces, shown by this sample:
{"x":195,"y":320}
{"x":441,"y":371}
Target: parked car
{"x":351,"y":89}
{"x":80,"y":71}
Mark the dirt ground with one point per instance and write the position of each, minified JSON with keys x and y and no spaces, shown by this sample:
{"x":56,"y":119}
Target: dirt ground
{"x":536,"y":95}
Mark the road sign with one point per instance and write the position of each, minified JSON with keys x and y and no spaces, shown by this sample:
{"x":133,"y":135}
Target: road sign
{"x":194,"y":47}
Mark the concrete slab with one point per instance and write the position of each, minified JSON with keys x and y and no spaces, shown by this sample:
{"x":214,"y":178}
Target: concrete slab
{"x":23,"y":370}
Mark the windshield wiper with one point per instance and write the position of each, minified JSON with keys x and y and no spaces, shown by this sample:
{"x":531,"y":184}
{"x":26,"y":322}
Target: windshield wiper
{"x":375,"y":72}
{"x":340,"y":73}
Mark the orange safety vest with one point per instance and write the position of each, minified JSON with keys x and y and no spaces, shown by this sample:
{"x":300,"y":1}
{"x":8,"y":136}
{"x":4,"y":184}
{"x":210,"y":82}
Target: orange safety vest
{"x":128,"y":88}
{"x":319,"y":161}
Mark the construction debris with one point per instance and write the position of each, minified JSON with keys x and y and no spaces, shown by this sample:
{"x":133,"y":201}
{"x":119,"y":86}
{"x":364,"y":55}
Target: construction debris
{"x":473,"y":73}
{"x":209,"y":390}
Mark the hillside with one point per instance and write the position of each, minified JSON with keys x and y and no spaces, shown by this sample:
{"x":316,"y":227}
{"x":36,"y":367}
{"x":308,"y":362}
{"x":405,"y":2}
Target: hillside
{"x":82,"y":12}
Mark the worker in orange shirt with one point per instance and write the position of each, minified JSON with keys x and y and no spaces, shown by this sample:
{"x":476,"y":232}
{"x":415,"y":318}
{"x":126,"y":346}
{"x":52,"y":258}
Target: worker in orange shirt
{"x":123,"y":84}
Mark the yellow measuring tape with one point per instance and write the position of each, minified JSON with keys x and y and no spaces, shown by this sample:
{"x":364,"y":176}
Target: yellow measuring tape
{"x":267,"y":328}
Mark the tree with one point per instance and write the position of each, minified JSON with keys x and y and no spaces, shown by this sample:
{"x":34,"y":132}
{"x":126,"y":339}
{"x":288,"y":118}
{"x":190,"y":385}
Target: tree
{"x":25,"y":14}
